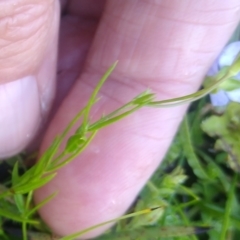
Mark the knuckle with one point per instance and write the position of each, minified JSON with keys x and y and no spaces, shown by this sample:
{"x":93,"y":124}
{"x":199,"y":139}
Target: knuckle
{"x":23,"y":34}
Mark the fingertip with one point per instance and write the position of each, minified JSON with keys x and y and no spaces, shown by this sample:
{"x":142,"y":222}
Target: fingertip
{"x":28,"y":43}
{"x":21,"y":114}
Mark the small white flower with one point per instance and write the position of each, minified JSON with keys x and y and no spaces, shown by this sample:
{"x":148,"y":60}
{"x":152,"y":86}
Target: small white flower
{"x":226,"y":58}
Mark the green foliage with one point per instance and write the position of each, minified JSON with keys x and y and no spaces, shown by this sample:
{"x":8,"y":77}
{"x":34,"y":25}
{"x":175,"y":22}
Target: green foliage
{"x":155,"y":233}
{"x":226,"y":129}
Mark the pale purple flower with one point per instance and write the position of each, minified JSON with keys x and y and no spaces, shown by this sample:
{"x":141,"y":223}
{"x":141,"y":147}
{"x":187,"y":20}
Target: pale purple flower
{"x":226,"y":58}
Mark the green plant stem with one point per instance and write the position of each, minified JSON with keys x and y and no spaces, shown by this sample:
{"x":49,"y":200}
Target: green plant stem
{"x":29,"y":199}
{"x":226,"y":217}
{"x":184,"y":218}
{"x":58,"y":158}
{"x":24,"y":230}
{"x":191,"y":97}
{"x":80,"y":233}
{"x":34,"y":209}
{"x":97,"y":126}
{"x":72,"y":123}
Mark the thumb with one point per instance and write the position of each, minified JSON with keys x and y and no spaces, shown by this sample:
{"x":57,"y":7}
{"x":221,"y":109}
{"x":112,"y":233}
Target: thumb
{"x":28,"y":47}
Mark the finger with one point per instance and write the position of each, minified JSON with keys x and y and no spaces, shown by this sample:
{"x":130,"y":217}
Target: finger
{"x":164,"y":45}
{"x":28,"y":46}
{"x":78,"y":25}
{"x":86,"y":8}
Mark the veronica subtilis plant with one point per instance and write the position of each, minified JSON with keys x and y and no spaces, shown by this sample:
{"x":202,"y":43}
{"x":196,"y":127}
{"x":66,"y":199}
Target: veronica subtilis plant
{"x":22,"y":186}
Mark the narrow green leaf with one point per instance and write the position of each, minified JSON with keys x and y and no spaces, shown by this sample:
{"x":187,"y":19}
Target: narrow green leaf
{"x":30,"y":176}
{"x":193,"y":160}
{"x":29,"y":200}
{"x":92,"y":99}
{"x":19,"y":200}
{"x":99,"y":125}
{"x":42,"y":165}
{"x":15,"y":217}
{"x":15,"y":176}
{"x":143,"y":98}
{"x":34,"y":185}
{"x":25,"y":178}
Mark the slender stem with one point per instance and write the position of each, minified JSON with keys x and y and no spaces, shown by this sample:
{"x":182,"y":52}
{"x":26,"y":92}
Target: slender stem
{"x":227,"y":214}
{"x":72,"y":123}
{"x":183,"y":217}
{"x":97,"y":126}
{"x":112,"y":114}
{"x":57,"y":159}
{"x":189,"y":98}
{"x":24,"y":230}
{"x":34,"y":209}
{"x":78,"y":234}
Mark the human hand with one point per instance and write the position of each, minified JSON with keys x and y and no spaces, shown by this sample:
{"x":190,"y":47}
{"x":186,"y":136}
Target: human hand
{"x":166,"y":46}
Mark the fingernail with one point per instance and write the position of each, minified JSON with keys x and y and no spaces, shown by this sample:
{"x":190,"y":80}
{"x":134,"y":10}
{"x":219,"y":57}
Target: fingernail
{"x":20,"y":114}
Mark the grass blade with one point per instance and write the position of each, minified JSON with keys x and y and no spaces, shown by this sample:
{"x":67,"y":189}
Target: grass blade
{"x":188,"y":147}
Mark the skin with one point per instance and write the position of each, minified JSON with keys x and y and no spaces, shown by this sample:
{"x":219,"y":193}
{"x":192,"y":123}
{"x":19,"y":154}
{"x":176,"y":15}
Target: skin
{"x":167,"y":46}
